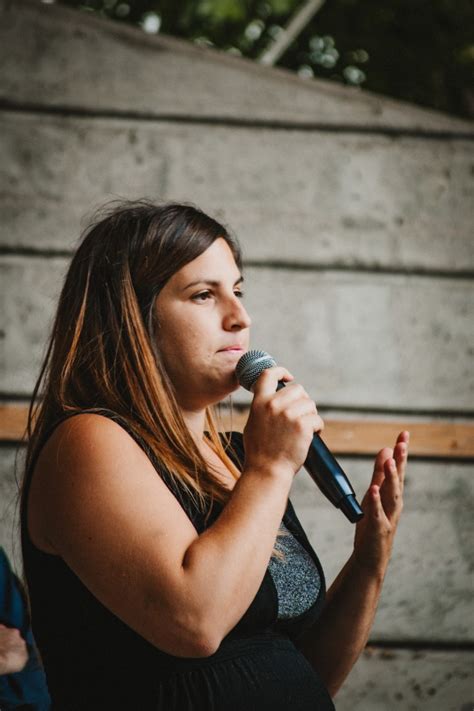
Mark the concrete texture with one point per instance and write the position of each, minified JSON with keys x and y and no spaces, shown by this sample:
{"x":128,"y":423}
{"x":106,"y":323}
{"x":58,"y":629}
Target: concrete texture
{"x":405,"y":680}
{"x":11,"y":473}
{"x":353,"y":339}
{"x":106,"y":66}
{"x":306,"y":198}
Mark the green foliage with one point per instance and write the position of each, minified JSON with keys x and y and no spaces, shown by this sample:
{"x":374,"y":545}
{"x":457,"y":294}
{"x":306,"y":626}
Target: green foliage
{"x":417,"y":50}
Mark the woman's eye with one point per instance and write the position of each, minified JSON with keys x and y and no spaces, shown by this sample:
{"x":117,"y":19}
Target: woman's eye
{"x":203,"y":296}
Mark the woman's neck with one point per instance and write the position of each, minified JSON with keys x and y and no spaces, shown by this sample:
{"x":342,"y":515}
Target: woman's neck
{"x":195,"y":421}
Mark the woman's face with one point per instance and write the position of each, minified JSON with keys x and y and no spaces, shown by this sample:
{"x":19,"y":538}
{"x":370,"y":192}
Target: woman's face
{"x":203,"y":327}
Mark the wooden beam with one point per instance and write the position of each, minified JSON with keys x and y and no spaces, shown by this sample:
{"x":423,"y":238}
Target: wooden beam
{"x":437,"y":439}
{"x":12,"y":422}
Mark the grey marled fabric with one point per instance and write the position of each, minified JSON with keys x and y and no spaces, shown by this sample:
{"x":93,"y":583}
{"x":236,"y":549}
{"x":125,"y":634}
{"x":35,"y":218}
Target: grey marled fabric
{"x":296,"y":578}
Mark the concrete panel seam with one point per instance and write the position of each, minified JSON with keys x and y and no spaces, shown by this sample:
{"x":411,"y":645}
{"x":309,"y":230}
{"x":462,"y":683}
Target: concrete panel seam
{"x":238,"y":122}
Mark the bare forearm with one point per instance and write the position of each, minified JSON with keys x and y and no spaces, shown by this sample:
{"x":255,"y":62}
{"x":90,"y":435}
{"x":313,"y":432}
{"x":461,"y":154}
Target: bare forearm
{"x":225,"y":566}
{"x":341,"y":633}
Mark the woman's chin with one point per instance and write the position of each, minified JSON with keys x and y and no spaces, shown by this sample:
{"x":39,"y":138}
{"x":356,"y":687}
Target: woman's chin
{"x":216,"y":388}
{"x":228,"y":386}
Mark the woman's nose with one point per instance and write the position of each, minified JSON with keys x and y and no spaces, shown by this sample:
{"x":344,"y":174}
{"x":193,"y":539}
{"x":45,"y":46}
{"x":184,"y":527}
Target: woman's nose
{"x":236,"y":317}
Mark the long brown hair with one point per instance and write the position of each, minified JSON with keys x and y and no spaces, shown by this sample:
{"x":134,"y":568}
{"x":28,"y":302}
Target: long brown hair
{"x":102,"y":352}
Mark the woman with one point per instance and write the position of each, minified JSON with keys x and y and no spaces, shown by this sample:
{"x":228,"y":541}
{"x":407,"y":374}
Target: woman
{"x":178,"y":591}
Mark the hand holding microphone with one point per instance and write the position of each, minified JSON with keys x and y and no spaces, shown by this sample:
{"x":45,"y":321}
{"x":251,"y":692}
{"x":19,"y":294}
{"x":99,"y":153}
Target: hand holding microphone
{"x":300,"y":414}
{"x":280,"y":426}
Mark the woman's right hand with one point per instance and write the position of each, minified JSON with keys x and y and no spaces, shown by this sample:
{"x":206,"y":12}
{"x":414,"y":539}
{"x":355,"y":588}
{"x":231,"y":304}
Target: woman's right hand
{"x":281,"y":424}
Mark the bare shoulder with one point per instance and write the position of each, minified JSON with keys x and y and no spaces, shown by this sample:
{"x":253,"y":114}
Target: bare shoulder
{"x":68,"y":463}
{"x":79,"y":438}
{"x":91,"y":465}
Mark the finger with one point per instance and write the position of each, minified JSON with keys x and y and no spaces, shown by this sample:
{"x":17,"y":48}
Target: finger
{"x":404,"y":437}
{"x":400,"y":454}
{"x":391,"y":492}
{"x":304,"y":410}
{"x":375,"y":508}
{"x":266,"y":383}
{"x":379,"y":471}
{"x":297,"y":407}
{"x":293,"y":393}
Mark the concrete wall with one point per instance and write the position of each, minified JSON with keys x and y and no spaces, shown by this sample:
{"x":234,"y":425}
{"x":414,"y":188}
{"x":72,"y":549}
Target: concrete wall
{"x":355,"y":216}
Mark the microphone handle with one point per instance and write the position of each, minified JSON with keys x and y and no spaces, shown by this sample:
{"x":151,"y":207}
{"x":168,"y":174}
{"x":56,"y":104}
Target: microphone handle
{"x":329,"y":476}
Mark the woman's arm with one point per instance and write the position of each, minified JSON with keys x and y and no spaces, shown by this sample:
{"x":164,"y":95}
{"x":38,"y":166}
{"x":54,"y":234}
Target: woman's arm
{"x":116,"y":524}
{"x":336,"y":641}
{"x":101,"y":506}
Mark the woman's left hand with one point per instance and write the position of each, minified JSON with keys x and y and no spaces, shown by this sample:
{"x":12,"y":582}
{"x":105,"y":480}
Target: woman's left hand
{"x":382,"y":506}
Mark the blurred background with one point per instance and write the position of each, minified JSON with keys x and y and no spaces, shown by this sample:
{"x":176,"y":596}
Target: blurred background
{"x":418,"y":50}
{"x":336,"y":141}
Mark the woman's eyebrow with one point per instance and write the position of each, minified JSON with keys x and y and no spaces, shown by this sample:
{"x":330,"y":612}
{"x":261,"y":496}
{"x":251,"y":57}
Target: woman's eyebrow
{"x":210,"y":282}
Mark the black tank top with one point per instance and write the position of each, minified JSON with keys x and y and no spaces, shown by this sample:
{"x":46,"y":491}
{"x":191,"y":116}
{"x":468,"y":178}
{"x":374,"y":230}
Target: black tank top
{"x":95,"y":661}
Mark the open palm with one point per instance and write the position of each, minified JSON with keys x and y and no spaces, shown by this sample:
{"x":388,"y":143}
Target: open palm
{"x":382,"y":506}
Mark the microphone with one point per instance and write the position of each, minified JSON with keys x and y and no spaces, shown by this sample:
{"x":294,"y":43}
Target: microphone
{"x":320,"y":463}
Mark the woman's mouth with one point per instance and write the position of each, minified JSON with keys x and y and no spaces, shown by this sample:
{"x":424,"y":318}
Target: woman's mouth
{"x":232,"y":349}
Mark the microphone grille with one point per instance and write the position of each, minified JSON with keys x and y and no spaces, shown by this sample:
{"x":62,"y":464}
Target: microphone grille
{"x":251,"y":365}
